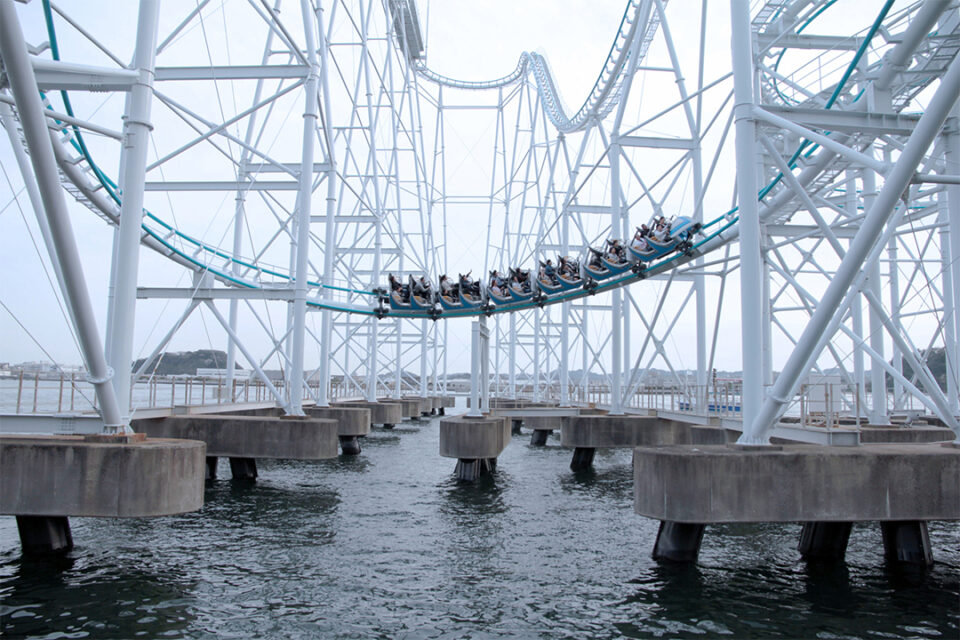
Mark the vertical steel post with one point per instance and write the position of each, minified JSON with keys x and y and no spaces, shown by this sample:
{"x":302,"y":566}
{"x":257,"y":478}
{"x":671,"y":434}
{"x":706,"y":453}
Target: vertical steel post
{"x":304,"y":201}
{"x":750,"y":257}
{"x":330,"y":225}
{"x":423,"y":358}
{"x":952,"y":160}
{"x":474,"y":411}
{"x":616,"y":310}
{"x":23,"y":86}
{"x":878,"y":378}
{"x":136,"y":141}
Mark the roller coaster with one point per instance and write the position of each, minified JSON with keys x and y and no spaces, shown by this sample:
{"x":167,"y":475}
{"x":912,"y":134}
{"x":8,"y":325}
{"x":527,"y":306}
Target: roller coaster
{"x":821,"y":107}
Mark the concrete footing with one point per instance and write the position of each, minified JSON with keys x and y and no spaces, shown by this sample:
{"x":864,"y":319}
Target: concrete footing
{"x":386,"y":414}
{"x":582,"y":458}
{"x":472,"y":441}
{"x":251,"y":436}
{"x":44,"y":535}
{"x":410,"y":407}
{"x":67,"y":476}
{"x":243,"y":468}
{"x":901,"y":486}
{"x":906,"y":541}
{"x":353,"y":423}
{"x":797,"y":483}
{"x":678,"y":541}
{"x":824,"y":541}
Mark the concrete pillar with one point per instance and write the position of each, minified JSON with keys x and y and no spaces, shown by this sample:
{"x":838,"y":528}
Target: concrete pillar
{"x":515,"y":427}
{"x":582,"y":458}
{"x":44,"y":535}
{"x":350,"y":445}
{"x":243,"y":468}
{"x":824,"y":541}
{"x":472,"y":469}
{"x":906,"y":541}
{"x":678,"y":541}
{"x":211,"y":468}
{"x":539,"y":437}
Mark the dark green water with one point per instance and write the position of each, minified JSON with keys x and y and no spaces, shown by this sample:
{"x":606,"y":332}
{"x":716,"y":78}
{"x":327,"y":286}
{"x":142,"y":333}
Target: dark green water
{"x":387,"y":544}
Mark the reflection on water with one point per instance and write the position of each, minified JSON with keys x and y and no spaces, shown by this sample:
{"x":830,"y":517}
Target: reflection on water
{"x":87,"y":594}
{"x":389,"y":544}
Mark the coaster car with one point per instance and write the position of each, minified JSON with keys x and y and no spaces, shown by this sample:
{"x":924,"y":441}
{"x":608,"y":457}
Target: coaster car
{"x":469,"y":291}
{"x":568,"y":275}
{"x":519,"y":286}
{"x":601,"y":267}
{"x":450,"y":300}
{"x":681,"y":228}
{"x":399,"y":294}
{"x":545,"y":283}
{"x":421,"y":298}
{"x":503,"y":297}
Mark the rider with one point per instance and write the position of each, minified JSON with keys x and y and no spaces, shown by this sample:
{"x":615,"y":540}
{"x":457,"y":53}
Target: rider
{"x":640,"y":238}
{"x":421,"y":287}
{"x":550,"y":272}
{"x":446,"y":288}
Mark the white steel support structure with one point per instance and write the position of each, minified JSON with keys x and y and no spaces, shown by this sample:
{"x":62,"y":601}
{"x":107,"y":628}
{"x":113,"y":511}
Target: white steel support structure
{"x":750,"y":259}
{"x":136,"y":132}
{"x":304,"y":199}
{"x":23,"y":86}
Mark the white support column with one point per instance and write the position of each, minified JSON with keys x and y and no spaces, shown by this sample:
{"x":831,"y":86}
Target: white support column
{"x":23,"y":86}
{"x":136,"y":141}
{"x":871,"y":230}
{"x":856,"y":310}
{"x":423,"y":358}
{"x":949,"y":324}
{"x":398,"y":345}
{"x":304,"y":201}
{"x":894,"y":280}
{"x":330,"y":226}
{"x":512,"y":356}
{"x":536,"y":355}
{"x":616,"y":310}
{"x":878,"y":378}
{"x":484,"y":347}
{"x":750,"y":280}
{"x":474,"y":411}
{"x":952,"y":155}
{"x":767,"y":317}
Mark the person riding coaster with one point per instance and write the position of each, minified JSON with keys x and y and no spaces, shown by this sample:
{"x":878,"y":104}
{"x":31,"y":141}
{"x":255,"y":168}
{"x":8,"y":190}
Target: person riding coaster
{"x":497,"y":287}
{"x":520,"y":288}
{"x":663,"y":238}
{"x":399,"y":293}
{"x":469,"y":291}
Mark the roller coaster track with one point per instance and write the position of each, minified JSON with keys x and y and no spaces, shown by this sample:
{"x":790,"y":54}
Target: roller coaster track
{"x":88,"y":184}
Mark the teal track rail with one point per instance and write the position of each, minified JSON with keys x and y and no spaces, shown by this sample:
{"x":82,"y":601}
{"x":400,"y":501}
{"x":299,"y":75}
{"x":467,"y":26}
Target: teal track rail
{"x":710,"y":231}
